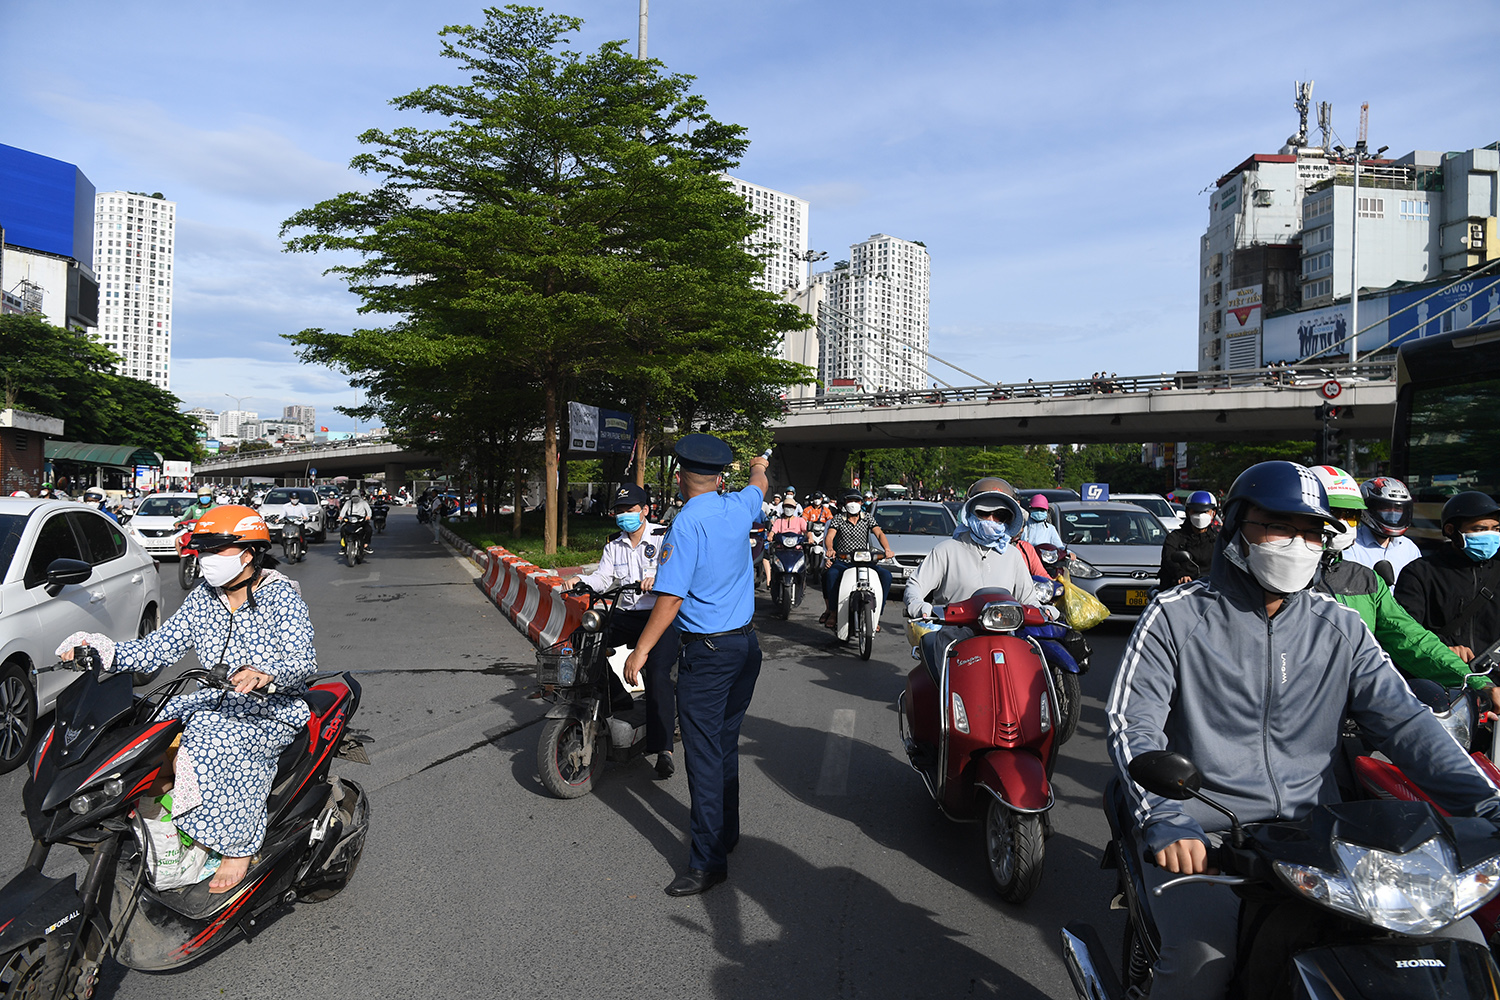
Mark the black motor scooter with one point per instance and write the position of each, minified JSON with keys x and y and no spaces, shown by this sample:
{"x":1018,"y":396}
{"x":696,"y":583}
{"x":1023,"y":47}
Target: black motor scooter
{"x":1342,"y":903}
{"x":586,"y":725}
{"x":379,"y":509}
{"x":108,"y":749}
{"x":788,"y":571}
{"x":354,"y":538}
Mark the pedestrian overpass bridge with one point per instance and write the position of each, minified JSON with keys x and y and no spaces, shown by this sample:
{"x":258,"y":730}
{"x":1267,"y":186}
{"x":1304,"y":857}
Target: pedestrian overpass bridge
{"x":815,"y":436}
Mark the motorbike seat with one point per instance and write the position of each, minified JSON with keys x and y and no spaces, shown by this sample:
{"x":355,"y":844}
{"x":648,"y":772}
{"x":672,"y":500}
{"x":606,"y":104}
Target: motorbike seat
{"x":321,"y":703}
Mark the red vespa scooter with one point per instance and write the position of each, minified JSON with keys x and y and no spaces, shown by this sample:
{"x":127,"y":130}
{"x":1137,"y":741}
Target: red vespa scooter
{"x":979,"y":721}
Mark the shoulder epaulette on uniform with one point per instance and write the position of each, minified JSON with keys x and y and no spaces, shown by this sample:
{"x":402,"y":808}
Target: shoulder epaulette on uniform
{"x":614,"y":536}
{"x":659,"y":531}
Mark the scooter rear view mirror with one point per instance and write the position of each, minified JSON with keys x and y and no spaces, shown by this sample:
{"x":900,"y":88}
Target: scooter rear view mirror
{"x":1166,"y":773}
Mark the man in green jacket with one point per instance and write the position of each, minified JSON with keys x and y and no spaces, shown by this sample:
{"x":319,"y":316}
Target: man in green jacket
{"x":1415,"y":651}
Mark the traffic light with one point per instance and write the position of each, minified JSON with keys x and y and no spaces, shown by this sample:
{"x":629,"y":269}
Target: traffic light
{"x":1328,"y":444}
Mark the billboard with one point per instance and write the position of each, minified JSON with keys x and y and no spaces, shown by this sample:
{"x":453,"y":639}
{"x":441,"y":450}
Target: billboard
{"x":1294,"y":336}
{"x":1446,"y":310}
{"x":1242,"y":311}
{"x":46,"y":204}
{"x":592,"y":430}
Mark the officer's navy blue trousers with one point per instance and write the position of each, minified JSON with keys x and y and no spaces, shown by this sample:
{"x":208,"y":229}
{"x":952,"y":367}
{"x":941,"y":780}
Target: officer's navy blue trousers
{"x":661,"y":705}
{"x":715,"y":679}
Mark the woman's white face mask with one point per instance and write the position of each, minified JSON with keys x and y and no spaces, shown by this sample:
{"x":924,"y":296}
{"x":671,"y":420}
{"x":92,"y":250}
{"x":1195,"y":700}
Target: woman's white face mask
{"x":221,"y":568}
{"x":853,"y":507}
{"x":1201,"y":521}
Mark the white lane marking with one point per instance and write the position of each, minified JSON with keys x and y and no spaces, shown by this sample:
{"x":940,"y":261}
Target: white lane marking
{"x":346,"y":582}
{"x":834,"y":778}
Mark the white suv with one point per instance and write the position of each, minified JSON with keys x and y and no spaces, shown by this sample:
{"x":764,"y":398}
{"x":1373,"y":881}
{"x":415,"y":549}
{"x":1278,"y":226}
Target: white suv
{"x":154,"y":520}
{"x":275,"y":503}
{"x":64,"y":568}
{"x":1156,"y":504}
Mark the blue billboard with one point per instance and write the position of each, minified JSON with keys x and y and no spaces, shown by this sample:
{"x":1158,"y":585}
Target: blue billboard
{"x":46,"y":205}
{"x":1446,"y":310}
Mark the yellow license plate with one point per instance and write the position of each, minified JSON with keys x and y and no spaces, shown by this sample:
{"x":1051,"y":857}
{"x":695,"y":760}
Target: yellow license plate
{"x":1135,"y":598}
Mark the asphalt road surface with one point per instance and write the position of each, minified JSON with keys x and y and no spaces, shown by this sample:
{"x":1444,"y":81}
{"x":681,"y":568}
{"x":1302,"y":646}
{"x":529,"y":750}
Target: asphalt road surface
{"x":475,"y":882}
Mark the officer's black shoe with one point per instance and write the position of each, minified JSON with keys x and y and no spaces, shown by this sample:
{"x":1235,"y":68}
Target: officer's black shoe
{"x":693,"y":881}
{"x":665,"y":768}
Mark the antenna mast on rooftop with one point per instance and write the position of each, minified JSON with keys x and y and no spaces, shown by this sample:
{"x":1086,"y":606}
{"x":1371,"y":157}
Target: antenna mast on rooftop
{"x":1302,"y":100}
{"x":1325,"y":124}
{"x":1364,"y":124}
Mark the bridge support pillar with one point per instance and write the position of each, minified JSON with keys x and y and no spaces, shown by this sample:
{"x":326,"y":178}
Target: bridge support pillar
{"x":395,"y":476}
{"x":808,"y":467}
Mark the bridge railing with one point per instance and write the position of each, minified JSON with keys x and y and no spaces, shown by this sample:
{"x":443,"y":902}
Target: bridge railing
{"x":1274,"y":377}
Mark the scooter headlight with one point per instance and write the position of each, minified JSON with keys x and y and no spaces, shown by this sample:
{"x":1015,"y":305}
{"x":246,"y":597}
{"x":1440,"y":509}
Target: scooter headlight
{"x":89,"y":801}
{"x":593,"y":621}
{"x":1418,"y":892}
{"x":1002,"y":617}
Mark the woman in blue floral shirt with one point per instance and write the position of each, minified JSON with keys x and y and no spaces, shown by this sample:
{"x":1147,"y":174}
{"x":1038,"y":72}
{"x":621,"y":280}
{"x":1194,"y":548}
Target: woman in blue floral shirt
{"x":253,"y":619}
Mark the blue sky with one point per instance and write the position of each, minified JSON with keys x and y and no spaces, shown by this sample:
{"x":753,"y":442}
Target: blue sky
{"x":1051,"y":156}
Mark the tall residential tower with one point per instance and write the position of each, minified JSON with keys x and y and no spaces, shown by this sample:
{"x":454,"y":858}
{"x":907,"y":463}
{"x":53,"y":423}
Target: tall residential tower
{"x":785,"y":228}
{"x":873,"y":323}
{"x":134,"y":242}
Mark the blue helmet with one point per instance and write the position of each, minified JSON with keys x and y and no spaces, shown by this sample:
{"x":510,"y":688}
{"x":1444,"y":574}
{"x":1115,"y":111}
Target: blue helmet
{"x":1277,"y":488}
{"x":1200,"y":501}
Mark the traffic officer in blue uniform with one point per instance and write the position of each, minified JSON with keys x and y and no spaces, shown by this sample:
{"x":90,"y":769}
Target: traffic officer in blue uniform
{"x":705,"y":580}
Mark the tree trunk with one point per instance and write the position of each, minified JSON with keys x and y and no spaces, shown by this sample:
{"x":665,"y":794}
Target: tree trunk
{"x":642,"y":449}
{"x":515,"y":517}
{"x":549,"y":475}
{"x":566,"y":432}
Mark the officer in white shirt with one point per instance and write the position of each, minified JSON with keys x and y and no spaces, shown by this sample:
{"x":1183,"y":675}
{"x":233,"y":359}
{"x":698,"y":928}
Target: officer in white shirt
{"x":630,"y":557}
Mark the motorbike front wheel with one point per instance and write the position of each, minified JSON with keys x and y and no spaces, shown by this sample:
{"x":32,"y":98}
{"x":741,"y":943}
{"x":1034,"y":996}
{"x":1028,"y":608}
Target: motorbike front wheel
{"x":866,"y":626}
{"x":1069,"y":703}
{"x":24,"y":973}
{"x":351,"y":551}
{"x":187,"y":572}
{"x":559,"y":755}
{"x":1013,"y":846}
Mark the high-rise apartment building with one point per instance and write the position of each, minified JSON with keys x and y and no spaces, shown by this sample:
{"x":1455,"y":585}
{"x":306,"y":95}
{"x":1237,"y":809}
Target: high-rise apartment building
{"x":305,"y":416}
{"x":236,"y":423}
{"x":785,"y":228}
{"x":134,"y":243}
{"x":873,"y":322}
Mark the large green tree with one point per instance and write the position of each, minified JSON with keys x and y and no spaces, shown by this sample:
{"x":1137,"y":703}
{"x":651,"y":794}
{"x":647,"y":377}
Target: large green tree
{"x":46,"y":369}
{"x":564,"y":223}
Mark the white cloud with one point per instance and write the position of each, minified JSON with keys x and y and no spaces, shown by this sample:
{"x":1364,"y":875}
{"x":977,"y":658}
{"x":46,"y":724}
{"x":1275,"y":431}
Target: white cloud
{"x":250,"y":161}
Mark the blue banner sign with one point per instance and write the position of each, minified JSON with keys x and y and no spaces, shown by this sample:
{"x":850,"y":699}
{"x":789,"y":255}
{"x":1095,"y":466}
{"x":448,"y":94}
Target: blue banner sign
{"x":1095,"y":491}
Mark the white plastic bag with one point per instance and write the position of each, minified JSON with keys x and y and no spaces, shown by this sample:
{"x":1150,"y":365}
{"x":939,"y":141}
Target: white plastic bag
{"x":175,"y":861}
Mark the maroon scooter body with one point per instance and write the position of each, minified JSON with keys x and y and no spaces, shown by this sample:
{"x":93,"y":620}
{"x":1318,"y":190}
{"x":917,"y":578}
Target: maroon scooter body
{"x":986,"y":724}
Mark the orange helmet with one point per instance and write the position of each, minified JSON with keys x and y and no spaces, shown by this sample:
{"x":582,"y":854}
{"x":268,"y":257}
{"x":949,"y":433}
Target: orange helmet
{"x":229,"y":524}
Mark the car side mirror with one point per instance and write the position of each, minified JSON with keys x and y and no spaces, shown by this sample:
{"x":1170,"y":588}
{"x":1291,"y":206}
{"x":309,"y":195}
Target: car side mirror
{"x":1166,"y":773}
{"x":66,"y":572}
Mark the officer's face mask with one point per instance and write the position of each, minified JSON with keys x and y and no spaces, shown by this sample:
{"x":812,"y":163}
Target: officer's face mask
{"x":1201,"y":521}
{"x":628,"y":520}
{"x":1481,"y":545}
{"x":220,"y":568}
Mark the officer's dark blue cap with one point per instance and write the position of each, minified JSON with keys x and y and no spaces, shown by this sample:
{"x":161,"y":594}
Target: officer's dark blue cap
{"x":629,"y":494}
{"x":703,"y":454}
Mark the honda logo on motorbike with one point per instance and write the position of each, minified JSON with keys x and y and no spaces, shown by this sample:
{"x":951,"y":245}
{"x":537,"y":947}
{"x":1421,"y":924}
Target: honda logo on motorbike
{"x":1420,"y":963}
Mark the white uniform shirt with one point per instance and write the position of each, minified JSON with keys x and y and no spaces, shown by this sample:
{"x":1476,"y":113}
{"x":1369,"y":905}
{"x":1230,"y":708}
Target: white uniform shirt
{"x":1367,"y":551}
{"x":622,"y":563}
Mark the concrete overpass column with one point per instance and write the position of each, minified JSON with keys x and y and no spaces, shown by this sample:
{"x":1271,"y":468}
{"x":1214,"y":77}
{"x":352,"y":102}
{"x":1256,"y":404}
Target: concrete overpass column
{"x":808,"y":467}
{"x":395,"y":476}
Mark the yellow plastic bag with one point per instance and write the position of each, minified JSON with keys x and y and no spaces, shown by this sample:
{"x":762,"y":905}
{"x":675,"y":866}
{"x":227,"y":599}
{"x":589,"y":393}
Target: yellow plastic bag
{"x":1082,"y":609}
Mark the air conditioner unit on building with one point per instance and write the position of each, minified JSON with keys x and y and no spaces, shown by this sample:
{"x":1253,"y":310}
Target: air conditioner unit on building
{"x":1217,"y":323}
{"x":1212,"y":350}
{"x":1216,"y":265}
{"x":1263,"y":198}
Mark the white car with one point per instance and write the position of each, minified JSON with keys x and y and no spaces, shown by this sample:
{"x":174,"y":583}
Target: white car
{"x":312,"y":509}
{"x":64,"y":568}
{"x":153,"y":523}
{"x":1156,"y":504}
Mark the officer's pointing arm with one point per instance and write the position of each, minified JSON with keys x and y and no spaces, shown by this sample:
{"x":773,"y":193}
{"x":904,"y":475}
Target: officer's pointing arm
{"x":758,"y":466}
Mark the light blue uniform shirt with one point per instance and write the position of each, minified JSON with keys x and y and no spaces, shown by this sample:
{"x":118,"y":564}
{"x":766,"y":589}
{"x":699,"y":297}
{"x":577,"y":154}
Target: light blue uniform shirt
{"x":705,"y":560}
{"x":1041,"y":533}
{"x":1367,"y":551}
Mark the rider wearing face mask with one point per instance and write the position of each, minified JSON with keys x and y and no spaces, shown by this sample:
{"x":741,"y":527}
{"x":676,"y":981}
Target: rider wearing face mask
{"x":1455,"y":591}
{"x":1188,"y":550}
{"x":851,"y":530}
{"x":1039,"y":530}
{"x":1250,"y":673}
{"x":979,"y":554}
{"x":1383,"y":526}
{"x":631,"y":556}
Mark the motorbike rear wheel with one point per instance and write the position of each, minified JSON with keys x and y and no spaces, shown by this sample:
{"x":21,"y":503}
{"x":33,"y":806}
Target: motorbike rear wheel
{"x":187,"y":572}
{"x":1069,"y":703}
{"x":351,"y":551}
{"x":1014,"y":844}
{"x":560,"y":741}
{"x":866,"y":624}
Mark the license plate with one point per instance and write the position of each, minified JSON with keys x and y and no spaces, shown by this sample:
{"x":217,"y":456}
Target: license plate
{"x":1135,"y":598}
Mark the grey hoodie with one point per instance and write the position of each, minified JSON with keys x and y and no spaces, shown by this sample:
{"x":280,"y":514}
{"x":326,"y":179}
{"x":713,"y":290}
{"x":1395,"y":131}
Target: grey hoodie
{"x":956,"y":568}
{"x":1257,"y":704}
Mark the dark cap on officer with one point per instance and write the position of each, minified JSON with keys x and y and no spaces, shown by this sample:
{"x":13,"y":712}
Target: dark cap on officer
{"x":703,"y":454}
{"x":629,"y":495}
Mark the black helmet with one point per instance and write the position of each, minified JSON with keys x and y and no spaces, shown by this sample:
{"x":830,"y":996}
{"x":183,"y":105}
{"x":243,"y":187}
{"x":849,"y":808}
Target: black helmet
{"x":1467,"y":505}
{"x":1388,"y":506}
{"x":851,"y":494}
{"x":1277,"y":488}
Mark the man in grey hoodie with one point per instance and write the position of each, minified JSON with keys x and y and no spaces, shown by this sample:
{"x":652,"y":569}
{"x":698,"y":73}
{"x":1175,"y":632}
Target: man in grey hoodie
{"x":979,"y":554}
{"x":1249,"y":673}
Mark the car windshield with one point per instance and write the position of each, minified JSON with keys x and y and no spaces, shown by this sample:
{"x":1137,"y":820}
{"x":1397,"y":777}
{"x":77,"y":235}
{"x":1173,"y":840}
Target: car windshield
{"x":276,"y":497}
{"x":1111,"y":527}
{"x":11,"y":526}
{"x":1158,"y":507}
{"x":904,"y":519}
{"x":163,"y":506}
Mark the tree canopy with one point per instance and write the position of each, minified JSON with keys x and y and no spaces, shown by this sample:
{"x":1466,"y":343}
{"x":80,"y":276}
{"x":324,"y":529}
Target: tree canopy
{"x":50,"y":370}
{"x":560,"y":231}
